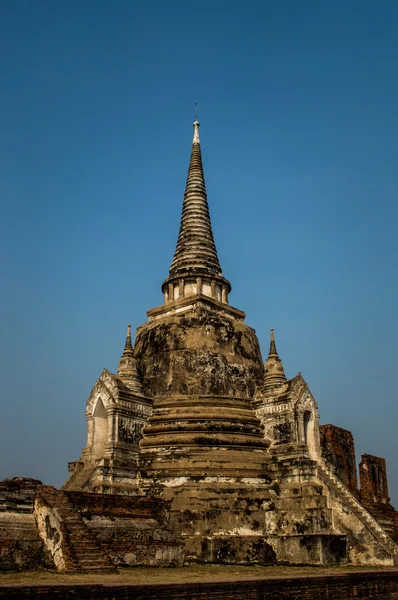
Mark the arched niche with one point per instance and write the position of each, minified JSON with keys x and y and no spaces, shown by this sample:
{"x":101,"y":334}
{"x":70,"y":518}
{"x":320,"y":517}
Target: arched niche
{"x":100,"y":430}
{"x":307,"y":420}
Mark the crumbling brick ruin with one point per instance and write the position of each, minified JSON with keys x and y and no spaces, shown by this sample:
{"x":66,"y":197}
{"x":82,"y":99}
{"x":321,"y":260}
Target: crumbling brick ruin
{"x":338,"y":449}
{"x":374,"y":493}
{"x":20,"y":543}
{"x":228,"y":447}
{"x":80,"y":532}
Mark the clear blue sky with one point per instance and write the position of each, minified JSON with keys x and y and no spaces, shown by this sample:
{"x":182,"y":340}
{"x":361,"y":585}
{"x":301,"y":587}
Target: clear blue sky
{"x":298,"y":106}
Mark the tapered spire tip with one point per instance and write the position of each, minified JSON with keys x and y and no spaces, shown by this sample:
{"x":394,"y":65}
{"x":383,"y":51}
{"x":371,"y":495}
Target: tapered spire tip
{"x":127,"y":369}
{"x":128,"y":338}
{"x":272,"y":345}
{"x":196,"y":125}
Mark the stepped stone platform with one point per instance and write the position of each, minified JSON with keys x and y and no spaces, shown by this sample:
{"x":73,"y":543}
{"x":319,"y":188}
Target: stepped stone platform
{"x":80,"y":532}
{"x":92,"y":533}
{"x":66,"y":536}
{"x":20,"y":544}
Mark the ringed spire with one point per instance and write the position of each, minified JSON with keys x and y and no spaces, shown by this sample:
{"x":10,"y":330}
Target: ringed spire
{"x":195,"y":257}
{"x":127,"y":369}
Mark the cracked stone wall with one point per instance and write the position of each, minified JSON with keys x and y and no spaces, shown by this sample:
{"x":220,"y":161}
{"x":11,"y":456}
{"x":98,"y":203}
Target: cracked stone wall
{"x":200,"y":353}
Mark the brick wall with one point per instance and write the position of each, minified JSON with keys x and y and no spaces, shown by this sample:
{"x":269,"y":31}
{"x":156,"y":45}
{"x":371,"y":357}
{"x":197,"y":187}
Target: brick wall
{"x":86,"y":532}
{"x":18,"y":494}
{"x":373,"y":478}
{"x":349,"y":586}
{"x":374,"y":493}
{"x":20,"y":545}
{"x":133,"y":507}
{"x":338,"y":448}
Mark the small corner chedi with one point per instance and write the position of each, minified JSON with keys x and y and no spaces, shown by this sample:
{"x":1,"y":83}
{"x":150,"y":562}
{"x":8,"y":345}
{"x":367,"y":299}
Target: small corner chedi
{"x":198,"y":452}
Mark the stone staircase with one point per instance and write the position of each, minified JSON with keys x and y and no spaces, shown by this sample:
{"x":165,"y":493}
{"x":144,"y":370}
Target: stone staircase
{"x":328,"y":477}
{"x":79,"y":546}
{"x":383,"y":517}
{"x":80,"y":477}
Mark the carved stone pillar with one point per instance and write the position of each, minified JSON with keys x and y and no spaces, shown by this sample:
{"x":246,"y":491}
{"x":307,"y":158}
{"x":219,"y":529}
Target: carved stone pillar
{"x":213,"y":289}
{"x":90,"y":430}
{"x":116,"y":427}
{"x":199,"y":285}
{"x":171,"y":292}
{"x":181,"y":288}
{"x":111,"y":426}
{"x":224,"y":294}
{"x":300,"y":428}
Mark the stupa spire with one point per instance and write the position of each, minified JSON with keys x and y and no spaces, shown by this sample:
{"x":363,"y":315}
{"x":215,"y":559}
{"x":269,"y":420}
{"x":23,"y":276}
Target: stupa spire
{"x":127,"y":369}
{"x":274,"y":372}
{"x":195,"y":256}
{"x":195,"y":246}
{"x":128,"y":346}
{"x":272,"y":345}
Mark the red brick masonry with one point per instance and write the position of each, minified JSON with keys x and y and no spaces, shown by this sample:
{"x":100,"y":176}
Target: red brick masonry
{"x":338,"y":448}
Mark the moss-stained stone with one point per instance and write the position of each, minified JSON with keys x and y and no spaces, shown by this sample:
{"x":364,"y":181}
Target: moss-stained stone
{"x":199,"y":353}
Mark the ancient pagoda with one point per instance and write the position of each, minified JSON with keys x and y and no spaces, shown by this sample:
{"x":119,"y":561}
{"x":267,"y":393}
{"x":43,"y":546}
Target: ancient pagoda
{"x":194,"y":417}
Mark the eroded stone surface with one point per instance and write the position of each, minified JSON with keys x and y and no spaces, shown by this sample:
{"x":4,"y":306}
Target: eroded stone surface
{"x":374,"y":493}
{"x":94,"y":533}
{"x":20,"y":544}
{"x":201,"y":352}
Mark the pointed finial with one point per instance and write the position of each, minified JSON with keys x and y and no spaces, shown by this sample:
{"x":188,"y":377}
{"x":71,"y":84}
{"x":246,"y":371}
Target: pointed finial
{"x":272,"y":345}
{"x":127,"y":369}
{"x":128,"y":337}
{"x":274,"y":373}
{"x":196,"y":125}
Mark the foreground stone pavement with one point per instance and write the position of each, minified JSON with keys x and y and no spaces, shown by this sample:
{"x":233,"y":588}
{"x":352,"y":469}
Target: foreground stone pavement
{"x":192,"y":583}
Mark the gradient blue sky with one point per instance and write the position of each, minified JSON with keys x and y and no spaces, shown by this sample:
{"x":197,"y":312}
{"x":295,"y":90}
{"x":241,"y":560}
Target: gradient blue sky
{"x":299,"y":128}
